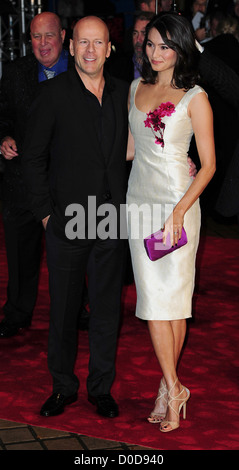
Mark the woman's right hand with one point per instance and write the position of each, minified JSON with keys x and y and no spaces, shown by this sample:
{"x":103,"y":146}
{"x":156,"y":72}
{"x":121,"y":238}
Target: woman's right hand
{"x":173,"y":226}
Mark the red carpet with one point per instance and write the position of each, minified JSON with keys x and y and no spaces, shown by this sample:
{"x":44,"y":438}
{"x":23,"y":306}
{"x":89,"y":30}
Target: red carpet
{"x":209,"y":367}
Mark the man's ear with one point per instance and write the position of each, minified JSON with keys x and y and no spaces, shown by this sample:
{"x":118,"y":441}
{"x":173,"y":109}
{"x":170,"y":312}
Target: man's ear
{"x":71,"y":48}
{"x":63,"y":34}
{"x":108,"y":50}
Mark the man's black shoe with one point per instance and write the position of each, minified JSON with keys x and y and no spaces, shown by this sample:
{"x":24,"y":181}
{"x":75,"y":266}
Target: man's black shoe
{"x":106,"y":406}
{"x":56,"y":403}
{"x":7,"y":330}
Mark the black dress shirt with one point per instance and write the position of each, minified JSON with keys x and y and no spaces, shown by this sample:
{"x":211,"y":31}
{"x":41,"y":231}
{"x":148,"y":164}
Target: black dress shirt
{"x":103,"y":123}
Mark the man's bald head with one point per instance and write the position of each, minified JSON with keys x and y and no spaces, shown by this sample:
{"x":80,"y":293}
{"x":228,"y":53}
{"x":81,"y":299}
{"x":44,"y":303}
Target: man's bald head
{"x":92,"y":22}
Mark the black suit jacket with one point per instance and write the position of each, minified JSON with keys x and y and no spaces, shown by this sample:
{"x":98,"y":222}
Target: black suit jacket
{"x":219,"y":76}
{"x":19,"y":87}
{"x":63,"y":162}
{"x":222,"y":85}
{"x":121,"y":67}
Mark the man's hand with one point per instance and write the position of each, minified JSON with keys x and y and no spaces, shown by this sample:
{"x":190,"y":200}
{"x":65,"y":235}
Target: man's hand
{"x":201,"y":34}
{"x":8,"y":148}
{"x":45,"y":221}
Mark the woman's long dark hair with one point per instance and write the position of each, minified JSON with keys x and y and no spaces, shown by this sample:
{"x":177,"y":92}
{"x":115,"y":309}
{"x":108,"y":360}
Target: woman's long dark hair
{"x":177,"y":33}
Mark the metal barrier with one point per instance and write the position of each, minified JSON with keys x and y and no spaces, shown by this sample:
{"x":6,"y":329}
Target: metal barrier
{"x":15,"y":19}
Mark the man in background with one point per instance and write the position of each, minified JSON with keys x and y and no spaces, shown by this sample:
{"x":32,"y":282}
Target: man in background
{"x":150,"y":5}
{"x":23,"y":235}
{"x":128,"y":65}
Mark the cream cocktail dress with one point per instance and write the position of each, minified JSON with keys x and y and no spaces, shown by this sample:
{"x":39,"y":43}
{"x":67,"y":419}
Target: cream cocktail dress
{"x":158,"y":180}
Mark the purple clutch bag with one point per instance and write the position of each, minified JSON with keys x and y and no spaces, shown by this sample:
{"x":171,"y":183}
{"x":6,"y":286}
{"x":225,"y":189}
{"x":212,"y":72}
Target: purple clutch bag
{"x":156,"y":249}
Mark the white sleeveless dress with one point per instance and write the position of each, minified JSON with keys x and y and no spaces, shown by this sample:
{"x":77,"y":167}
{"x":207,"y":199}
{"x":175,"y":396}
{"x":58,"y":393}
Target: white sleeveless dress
{"x":158,"y":180}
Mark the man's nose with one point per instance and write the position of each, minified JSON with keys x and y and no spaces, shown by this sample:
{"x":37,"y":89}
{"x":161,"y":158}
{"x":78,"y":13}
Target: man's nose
{"x":43,"y":40}
{"x":90,"y":47}
{"x":141,"y":38}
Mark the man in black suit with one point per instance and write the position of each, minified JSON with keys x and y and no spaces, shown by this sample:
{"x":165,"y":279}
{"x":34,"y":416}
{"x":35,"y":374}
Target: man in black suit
{"x":19,"y":85}
{"x":82,"y":120}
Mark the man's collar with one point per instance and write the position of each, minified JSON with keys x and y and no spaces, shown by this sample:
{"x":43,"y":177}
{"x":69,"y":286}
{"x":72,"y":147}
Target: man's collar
{"x":136,"y":63}
{"x":61,"y":64}
{"x":109,"y":82}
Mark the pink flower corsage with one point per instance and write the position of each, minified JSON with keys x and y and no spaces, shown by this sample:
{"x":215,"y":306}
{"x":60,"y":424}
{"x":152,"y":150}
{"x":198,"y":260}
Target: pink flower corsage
{"x":154,"y":120}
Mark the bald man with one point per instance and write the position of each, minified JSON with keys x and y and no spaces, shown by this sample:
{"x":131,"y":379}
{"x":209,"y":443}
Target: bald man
{"x":19,"y":85}
{"x":82,"y":118}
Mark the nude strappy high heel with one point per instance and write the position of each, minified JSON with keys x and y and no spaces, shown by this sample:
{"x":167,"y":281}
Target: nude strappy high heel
{"x":183,"y":402}
{"x":155,"y":418}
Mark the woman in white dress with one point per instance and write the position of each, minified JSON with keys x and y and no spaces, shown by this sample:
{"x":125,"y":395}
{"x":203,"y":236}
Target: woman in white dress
{"x":160,"y":186}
